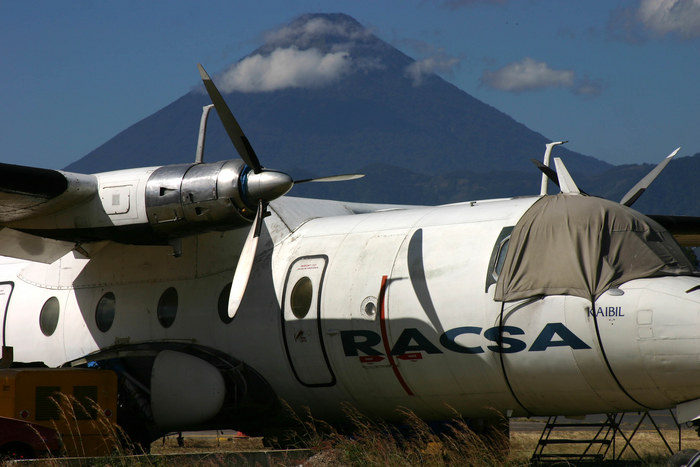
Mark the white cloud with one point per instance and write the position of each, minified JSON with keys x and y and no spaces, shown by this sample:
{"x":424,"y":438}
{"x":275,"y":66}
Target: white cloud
{"x":527,"y":75}
{"x":285,"y":68}
{"x":671,"y":16}
{"x":302,"y":33}
{"x":419,"y":69}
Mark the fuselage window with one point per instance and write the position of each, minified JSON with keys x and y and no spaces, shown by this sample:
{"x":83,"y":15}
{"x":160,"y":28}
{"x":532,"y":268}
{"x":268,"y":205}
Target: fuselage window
{"x":223,"y":304}
{"x":167,"y":307}
{"x":104,"y":312}
{"x":501,"y":257}
{"x":48,"y":318}
{"x":302,"y":296}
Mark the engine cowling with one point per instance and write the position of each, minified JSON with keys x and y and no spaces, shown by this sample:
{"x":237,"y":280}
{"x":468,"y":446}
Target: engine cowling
{"x":190,"y":198}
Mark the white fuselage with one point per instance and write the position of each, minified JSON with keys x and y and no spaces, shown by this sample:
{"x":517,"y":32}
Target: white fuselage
{"x":392,"y":309}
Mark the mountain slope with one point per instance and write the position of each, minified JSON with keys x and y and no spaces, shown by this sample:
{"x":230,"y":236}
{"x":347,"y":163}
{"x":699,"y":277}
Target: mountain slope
{"x":374,"y":112}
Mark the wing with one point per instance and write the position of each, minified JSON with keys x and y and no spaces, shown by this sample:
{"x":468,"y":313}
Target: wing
{"x":686,"y":229}
{"x":26,"y":192}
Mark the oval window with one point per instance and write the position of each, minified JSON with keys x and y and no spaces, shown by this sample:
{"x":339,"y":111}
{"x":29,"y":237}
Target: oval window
{"x":167,"y":307}
{"x":104,"y":313}
{"x":48,"y":318}
{"x":302,"y":295}
{"x":223,"y":304}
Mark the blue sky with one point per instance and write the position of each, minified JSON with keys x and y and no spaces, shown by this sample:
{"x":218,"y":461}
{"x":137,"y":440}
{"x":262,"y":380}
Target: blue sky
{"x":619,"y":80}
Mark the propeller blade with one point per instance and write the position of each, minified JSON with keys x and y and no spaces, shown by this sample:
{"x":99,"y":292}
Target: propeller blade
{"x":566,"y":181}
{"x":332,"y":178}
{"x":245,"y":262}
{"x":637,"y":190}
{"x":238,"y":138}
{"x":551,"y":174}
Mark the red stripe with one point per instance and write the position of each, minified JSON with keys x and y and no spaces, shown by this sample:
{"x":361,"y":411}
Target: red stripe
{"x":385,"y":339}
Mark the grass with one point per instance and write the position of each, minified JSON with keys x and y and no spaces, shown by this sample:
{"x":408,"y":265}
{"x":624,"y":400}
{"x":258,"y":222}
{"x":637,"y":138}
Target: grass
{"x":373,"y":442}
{"x":364,"y":442}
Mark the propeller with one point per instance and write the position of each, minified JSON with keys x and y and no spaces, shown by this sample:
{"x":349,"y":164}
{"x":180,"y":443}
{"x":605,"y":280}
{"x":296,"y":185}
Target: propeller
{"x":259,"y":186}
{"x":233,"y":129}
{"x":637,"y":190}
{"x":245,"y":261}
{"x":566,"y":181}
{"x":331,"y":178}
{"x":551,"y":174}
{"x":570,"y":186}
{"x":547,"y":171}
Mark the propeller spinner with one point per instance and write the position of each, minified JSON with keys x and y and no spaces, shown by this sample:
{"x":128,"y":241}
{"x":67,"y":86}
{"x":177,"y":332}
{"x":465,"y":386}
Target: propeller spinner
{"x":259,"y":186}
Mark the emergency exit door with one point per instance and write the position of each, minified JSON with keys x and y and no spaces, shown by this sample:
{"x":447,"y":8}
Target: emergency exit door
{"x":301,"y":308}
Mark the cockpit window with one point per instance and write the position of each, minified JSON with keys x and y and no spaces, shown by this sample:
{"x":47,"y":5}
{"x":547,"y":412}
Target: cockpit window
{"x":501,"y":258}
{"x":498,"y":256}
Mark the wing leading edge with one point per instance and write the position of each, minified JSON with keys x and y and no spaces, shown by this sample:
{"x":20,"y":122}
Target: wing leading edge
{"x":686,"y":229}
{"x":27,"y":192}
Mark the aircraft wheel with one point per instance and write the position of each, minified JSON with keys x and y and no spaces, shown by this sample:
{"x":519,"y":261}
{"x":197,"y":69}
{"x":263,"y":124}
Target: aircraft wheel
{"x":686,"y":457}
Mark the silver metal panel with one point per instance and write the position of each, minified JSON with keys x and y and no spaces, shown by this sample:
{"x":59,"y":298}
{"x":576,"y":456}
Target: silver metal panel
{"x":184,"y":199}
{"x":163,"y":203}
{"x":199,"y":183}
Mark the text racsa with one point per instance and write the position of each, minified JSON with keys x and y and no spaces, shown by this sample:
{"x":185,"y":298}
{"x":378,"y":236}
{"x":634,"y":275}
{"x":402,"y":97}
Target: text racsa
{"x":411,"y":342}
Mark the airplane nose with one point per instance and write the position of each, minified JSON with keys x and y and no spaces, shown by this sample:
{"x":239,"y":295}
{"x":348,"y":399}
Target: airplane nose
{"x":653,"y":344}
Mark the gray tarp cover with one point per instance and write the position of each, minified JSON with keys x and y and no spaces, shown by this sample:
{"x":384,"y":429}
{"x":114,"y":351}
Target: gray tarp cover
{"x":580,"y":245}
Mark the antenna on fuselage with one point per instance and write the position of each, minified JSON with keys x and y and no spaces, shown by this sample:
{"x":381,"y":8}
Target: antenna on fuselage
{"x":547,"y":155}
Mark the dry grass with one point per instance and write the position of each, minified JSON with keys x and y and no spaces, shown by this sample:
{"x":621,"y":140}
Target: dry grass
{"x":373,"y":442}
{"x":103,"y":436}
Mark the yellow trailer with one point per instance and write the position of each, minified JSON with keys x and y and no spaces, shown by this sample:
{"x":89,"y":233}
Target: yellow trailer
{"x":80,"y":403}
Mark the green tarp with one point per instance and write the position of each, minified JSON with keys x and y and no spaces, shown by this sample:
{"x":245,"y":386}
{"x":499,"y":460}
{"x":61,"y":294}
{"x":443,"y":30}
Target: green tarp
{"x":580,"y":245}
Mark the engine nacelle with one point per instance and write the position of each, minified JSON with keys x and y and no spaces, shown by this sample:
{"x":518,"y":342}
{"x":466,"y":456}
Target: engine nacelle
{"x":135,"y":206}
{"x":189,"y":198}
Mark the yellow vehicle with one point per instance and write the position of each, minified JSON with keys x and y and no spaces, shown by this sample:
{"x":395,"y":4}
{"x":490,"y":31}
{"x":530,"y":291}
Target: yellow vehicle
{"x":81,"y":404}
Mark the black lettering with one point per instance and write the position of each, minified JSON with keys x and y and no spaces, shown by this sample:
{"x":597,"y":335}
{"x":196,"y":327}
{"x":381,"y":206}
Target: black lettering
{"x":505,"y":344}
{"x":447,"y":339}
{"x":351,"y":344}
{"x":568,"y":338}
{"x":403,"y":343}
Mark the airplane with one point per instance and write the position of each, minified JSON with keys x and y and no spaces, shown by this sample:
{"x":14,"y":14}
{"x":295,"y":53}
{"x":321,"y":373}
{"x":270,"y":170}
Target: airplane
{"x":220,"y":301}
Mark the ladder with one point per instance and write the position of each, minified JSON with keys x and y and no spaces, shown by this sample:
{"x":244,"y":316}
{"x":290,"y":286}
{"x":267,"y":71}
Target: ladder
{"x":604,"y":434}
{"x":596,"y":446}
